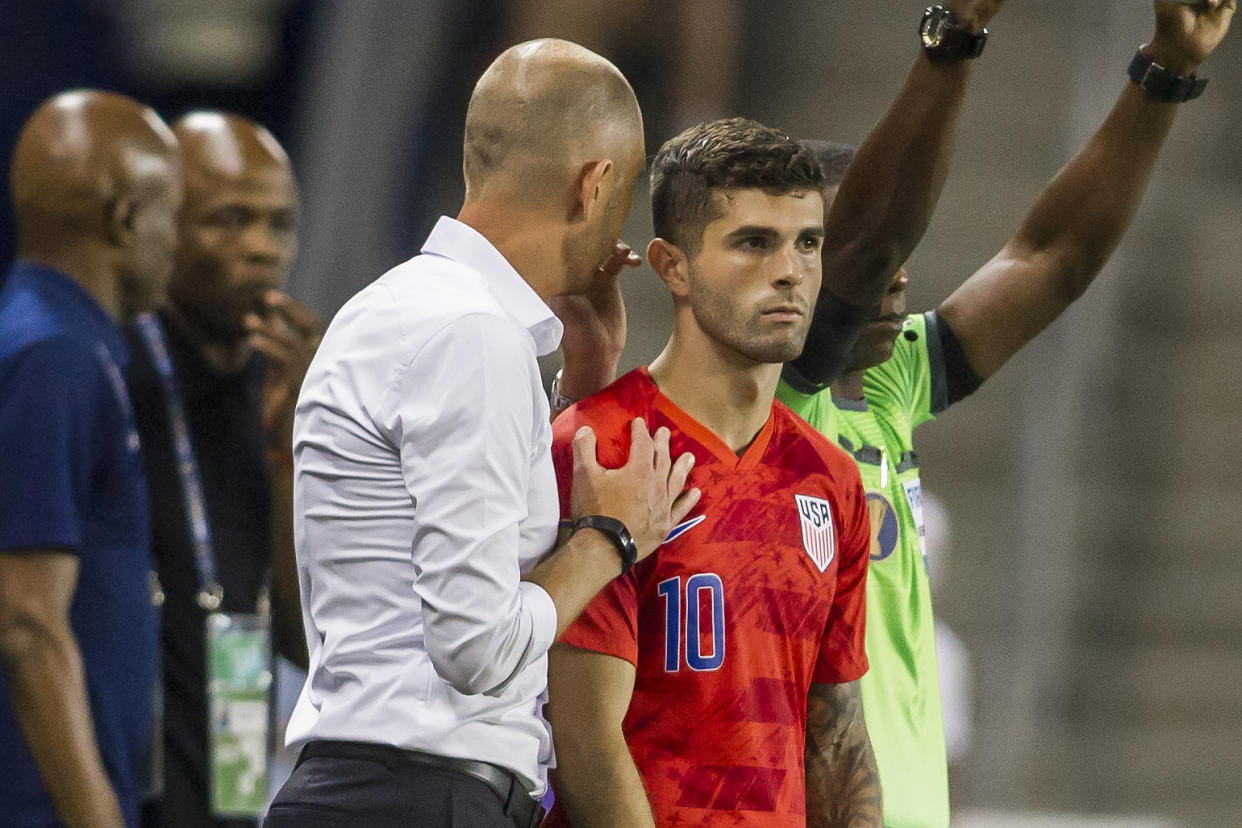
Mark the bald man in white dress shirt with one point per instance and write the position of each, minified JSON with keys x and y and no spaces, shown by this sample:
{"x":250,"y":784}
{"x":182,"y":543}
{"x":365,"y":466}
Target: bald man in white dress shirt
{"x":425,"y":501}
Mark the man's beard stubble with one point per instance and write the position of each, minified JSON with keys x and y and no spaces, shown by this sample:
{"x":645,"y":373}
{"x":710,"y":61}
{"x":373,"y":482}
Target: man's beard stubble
{"x":740,"y":332}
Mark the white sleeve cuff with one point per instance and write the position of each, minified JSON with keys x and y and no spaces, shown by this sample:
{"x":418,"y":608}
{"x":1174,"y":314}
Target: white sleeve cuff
{"x":543,"y":617}
{"x":538,"y":607}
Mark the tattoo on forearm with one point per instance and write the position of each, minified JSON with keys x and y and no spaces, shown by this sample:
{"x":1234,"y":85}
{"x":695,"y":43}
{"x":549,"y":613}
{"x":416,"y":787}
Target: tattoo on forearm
{"x":842,"y":783}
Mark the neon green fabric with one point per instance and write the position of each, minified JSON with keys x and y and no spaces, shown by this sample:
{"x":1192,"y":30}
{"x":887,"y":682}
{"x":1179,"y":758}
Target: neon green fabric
{"x":901,"y":691}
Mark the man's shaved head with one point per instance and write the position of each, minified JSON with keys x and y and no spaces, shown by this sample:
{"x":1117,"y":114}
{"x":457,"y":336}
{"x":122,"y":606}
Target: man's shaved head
{"x":96,"y":185}
{"x":78,"y":152}
{"x":541,"y":110}
{"x":223,"y":145}
{"x":553,"y":146}
{"x":238,"y":227}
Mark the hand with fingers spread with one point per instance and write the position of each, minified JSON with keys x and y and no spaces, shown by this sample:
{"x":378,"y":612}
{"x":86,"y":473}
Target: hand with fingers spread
{"x":1187,"y":33}
{"x":594,"y":326}
{"x":287,"y":335}
{"x":648,"y":494}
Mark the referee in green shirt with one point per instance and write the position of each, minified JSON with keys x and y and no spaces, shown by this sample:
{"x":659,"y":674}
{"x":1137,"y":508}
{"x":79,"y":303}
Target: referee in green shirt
{"x":906,"y":369}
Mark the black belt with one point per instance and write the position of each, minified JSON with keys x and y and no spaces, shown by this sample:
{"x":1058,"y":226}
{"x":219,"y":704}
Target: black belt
{"x":525,"y":811}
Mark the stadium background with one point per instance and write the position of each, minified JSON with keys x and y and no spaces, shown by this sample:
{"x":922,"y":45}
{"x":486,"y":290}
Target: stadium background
{"x":1093,"y":485}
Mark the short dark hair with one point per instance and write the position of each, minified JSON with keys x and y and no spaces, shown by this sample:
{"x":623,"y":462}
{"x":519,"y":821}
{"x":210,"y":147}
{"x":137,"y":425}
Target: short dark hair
{"x":727,"y":153}
{"x":834,"y":158}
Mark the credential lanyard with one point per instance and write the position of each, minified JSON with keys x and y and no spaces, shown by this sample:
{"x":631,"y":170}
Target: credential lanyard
{"x":118,"y":389}
{"x":131,"y":438}
{"x":238,"y":646}
{"x":153,"y":776}
{"x":210,"y":593}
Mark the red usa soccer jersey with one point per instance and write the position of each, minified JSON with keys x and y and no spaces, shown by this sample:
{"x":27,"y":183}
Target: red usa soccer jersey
{"x":756,"y":595}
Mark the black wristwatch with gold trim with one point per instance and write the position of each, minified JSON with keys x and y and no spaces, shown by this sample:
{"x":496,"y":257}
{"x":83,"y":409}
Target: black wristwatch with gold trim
{"x":947,"y":41}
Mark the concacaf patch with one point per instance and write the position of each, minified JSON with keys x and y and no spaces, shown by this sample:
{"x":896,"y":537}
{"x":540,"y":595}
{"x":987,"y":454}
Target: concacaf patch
{"x":818,"y":536}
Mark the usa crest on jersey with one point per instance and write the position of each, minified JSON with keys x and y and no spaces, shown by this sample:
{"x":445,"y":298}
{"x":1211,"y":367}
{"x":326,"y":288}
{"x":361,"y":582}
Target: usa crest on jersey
{"x":818,"y":535}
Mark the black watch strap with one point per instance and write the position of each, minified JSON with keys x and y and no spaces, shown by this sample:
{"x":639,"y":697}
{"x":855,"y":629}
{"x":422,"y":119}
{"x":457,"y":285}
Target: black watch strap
{"x":945,"y":40}
{"x":1162,"y":85}
{"x":616,"y":532}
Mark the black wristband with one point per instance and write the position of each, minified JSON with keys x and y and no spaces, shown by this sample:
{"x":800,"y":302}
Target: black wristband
{"x":616,"y":532}
{"x":1162,"y":85}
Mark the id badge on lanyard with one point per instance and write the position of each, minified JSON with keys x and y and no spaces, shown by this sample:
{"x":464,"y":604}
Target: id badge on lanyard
{"x":239,"y":681}
{"x":238,"y":665}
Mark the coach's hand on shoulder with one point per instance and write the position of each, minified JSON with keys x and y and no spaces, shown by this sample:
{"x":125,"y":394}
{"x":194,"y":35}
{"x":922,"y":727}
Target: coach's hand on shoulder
{"x":1186,"y":33}
{"x":648,"y":494}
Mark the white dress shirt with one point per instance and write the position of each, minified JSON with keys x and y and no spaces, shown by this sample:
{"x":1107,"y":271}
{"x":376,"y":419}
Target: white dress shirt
{"x":423,"y":489}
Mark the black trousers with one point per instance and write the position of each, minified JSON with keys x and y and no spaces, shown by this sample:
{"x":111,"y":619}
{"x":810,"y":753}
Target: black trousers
{"x":337,"y":792}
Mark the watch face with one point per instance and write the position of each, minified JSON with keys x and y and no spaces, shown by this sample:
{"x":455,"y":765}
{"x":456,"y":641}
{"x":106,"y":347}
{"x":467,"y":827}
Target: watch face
{"x":934,"y":27}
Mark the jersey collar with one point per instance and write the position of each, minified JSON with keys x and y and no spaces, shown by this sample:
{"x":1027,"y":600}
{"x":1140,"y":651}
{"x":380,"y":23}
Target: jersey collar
{"x":707,"y":438}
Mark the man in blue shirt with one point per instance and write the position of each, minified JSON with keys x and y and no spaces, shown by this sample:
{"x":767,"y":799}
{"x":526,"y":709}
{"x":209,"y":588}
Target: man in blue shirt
{"x":96,"y":187}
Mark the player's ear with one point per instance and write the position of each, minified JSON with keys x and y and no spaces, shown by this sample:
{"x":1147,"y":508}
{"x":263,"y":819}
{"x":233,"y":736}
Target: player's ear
{"x":671,"y":264}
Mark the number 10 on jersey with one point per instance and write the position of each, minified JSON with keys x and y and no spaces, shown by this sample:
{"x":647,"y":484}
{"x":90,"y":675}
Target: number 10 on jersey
{"x":695,"y":617}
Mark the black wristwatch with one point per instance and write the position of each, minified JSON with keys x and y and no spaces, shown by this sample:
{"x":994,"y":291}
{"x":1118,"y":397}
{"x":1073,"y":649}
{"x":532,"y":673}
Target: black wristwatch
{"x":1162,"y":85}
{"x":616,"y":532}
{"x":947,"y":41}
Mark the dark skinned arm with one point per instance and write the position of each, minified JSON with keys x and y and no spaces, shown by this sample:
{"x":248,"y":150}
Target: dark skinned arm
{"x":287,"y":336}
{"x":890,"y":190}
{"x":842,"y":783}
{"x":47,"y":684}
{"x":596,"y":779}
{"x":288,"y":637}
{"x":885,"y":203}
{"x":1076,"y":224}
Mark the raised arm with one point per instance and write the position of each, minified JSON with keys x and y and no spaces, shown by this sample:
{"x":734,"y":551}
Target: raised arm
{"x":886,"y":200}
{"x":47,"y":684}
{"x":1079,"y":220}
{"x":887,"y":197}
{"x":595,"y":776}
{"x":842,"y":783}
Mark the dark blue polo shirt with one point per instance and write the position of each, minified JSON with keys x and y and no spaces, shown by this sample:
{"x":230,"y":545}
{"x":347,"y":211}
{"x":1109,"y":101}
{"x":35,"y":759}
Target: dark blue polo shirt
{"x":71,"y":480}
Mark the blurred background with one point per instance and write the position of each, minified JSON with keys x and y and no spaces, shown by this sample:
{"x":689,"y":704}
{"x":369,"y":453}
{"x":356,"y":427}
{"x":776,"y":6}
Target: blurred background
{"x":1092,"y":609}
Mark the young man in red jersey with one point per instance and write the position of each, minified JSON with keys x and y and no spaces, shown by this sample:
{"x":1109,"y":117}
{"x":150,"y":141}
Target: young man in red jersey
{"x":716,"y":683}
